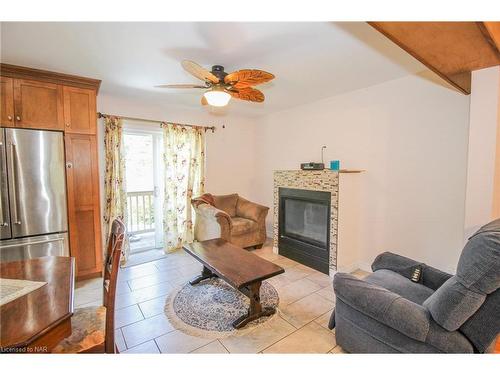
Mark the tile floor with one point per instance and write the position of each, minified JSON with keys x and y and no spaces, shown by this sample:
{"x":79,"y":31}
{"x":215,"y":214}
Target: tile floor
{"x":145,"y":256}
{"x":306,"y":302}
{"x":142,"y":241}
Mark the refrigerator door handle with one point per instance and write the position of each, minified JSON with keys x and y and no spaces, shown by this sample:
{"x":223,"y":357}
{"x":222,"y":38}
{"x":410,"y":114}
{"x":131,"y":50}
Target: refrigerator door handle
{"x":3,"y":219}
{"x":15,"y":191}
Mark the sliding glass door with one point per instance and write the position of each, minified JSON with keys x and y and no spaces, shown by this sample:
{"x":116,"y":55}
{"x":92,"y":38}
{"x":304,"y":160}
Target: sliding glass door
{"x":144,"y":184}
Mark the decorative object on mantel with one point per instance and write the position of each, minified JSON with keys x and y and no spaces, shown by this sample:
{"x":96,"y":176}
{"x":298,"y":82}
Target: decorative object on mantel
{"x":323,"y":148}
{"x":221,"y":86}
{"x":312,"y":166}
{"x":11,"y":289}
{"x":335,"y":165}
{"x":209,"y":308}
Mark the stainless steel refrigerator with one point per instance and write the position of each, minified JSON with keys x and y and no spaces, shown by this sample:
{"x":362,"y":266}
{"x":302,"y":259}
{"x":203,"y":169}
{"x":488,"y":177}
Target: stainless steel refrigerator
{"x":33,"y":211}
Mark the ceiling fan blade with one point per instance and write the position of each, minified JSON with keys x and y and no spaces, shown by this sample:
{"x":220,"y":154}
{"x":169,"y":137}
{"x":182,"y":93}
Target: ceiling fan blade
{"x":248,"y":93}
{"x":181,"y":86}
{"x":204,"y":100}
{"x":248,"y":77}
{"x":199,"y":72}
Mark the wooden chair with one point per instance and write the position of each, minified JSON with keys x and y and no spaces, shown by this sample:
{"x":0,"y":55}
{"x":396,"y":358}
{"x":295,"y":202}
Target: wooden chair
{"x":93,"y":328}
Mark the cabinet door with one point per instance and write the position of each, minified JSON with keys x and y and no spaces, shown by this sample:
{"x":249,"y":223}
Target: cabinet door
{"x":79,"y":110}
{"x":83,"y":203}
{"x":38,"y":105}
{"x":6,"y":101}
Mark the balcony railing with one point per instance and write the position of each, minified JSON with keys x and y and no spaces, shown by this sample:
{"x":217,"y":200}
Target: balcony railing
{"x":140,"y":212}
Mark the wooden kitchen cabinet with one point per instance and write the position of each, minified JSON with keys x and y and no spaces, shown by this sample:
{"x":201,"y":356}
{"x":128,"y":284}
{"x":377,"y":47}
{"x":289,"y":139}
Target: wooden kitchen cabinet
{"x":40,"y":99}
{"x":83,"y":203}
{"x":79,"y":110}
{"x":6,"y":101}
{"x":38,"y":105}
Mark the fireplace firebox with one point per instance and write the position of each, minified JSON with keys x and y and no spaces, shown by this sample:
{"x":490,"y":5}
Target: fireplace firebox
{"x":304,"y":227}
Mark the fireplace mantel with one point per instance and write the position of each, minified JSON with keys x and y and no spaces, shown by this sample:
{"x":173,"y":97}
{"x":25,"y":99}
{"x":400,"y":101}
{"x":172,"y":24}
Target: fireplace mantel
{"x":344,"y":257}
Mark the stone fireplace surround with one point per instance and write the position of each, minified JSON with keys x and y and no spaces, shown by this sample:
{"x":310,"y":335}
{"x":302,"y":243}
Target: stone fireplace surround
{"x":323,"y":180}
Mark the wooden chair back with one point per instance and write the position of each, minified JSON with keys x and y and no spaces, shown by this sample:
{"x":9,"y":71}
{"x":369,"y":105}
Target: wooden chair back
{"x":114,"y":252}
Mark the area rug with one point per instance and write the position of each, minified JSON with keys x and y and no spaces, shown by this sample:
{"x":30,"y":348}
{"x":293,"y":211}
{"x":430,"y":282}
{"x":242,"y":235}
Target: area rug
{"x":208,"y":308}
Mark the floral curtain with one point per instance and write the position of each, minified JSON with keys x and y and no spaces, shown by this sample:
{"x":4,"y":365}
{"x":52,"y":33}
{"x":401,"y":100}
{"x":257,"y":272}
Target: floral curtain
{"x":184,"y":158}
{"x":114,"y":180}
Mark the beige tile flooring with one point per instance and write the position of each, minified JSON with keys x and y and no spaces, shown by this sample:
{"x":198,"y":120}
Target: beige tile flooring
{"x":306,"y":303}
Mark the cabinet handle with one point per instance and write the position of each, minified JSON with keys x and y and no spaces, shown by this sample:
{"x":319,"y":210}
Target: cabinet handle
{"x":10,"y":118}
{"x":18,"y":118}
{"x":69,"y":165}
{"x":68,"y":125}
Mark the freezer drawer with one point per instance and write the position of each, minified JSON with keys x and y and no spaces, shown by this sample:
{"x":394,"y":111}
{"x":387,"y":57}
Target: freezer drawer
{"x":34,"y":247}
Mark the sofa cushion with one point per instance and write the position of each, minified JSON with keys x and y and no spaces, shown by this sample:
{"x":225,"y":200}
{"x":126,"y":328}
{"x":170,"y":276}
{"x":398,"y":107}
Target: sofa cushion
{"x":389,"y":308}
{"x":479,"y":265}
{"x":87,"y":330}
{"x":226,"y":203}
{"x":430,"y":276}
{"x":250,"y":210}
{"x":242,"y":226}
{"x":478,"y":274}
{"x":452,"y":304}
{"x":364,"y":334}
{"x":398,"y":284}
{"x":484,"y":326}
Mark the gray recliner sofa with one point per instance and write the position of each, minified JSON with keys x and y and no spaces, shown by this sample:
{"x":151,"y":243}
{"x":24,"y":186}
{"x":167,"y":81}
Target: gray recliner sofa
{"x":387,"y":312}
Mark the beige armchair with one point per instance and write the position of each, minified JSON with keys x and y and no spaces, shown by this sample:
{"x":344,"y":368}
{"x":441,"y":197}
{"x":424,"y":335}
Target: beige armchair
{"x":231,"y":217}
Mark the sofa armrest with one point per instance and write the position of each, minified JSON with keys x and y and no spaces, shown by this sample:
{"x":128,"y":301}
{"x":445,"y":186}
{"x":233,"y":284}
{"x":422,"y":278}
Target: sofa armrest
{"x":431,"y":277}
{"x":251,"y":210}
{"x":380,"y":304}
{"x":211,"y":223}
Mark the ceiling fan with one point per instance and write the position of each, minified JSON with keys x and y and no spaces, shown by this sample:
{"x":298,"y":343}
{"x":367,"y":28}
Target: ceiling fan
{"x":221,"y":86}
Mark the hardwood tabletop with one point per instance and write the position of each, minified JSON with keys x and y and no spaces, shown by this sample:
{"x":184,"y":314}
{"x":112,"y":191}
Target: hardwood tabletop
{"x":235,"y":265}
{"x":27,"y":318}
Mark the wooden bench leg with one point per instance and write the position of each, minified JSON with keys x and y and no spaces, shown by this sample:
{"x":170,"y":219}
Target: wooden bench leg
{"x":205,"y":274}
{"x":255,"y":310}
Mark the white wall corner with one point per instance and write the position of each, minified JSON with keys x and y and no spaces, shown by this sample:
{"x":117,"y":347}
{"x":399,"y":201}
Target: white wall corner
{"x":483,"y":123}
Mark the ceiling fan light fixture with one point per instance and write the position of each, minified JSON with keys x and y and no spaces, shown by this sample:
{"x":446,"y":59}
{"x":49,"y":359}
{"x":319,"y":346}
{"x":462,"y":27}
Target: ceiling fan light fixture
{"x":220,"y":86}
{"x":217,"y":98}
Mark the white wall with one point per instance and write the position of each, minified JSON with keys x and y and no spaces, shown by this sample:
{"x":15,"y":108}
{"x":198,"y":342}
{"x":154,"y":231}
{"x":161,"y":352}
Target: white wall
{"x":411,"y":137}
{"x":484,"y":103}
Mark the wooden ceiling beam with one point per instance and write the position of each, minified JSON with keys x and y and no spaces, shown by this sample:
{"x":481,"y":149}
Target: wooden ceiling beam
{"x":491,"y":31}
{"x":452,"y":50}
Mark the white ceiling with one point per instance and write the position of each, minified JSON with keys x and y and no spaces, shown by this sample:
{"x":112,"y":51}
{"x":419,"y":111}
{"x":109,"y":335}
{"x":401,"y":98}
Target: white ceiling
{"x":311,"y":61}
